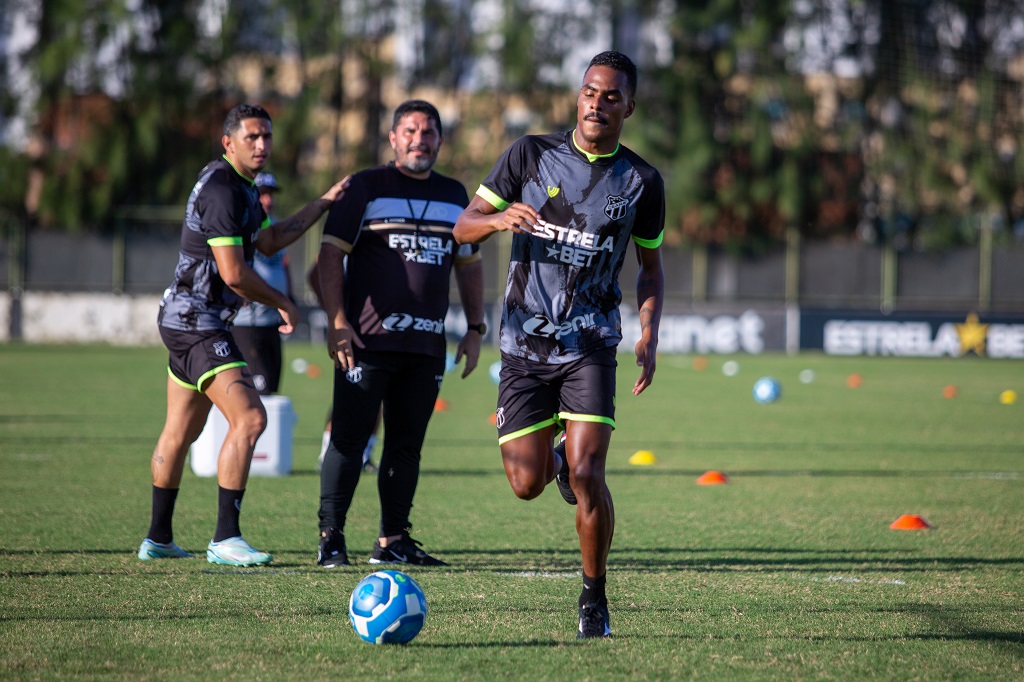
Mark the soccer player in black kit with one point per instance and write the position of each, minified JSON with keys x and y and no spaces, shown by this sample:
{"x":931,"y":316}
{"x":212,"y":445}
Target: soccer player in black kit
{"x":574,"y":202}
{"x":224,"y":226}
{"x":385,"y":264}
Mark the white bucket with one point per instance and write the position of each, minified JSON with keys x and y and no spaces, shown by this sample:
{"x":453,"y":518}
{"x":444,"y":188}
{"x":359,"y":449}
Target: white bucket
{"x":273,"y":454}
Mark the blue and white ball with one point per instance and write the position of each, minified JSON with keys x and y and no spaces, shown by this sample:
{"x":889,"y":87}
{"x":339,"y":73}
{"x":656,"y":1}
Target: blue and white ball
{"x":387,"y":607}
{"x":767,"y":390}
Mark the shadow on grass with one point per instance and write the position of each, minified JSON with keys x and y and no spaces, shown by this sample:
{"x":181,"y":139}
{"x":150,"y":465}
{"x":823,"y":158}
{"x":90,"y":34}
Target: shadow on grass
{"x":550,"y":561}
{"x":508,"y":644}
{"x":312,"y":444}
{"x":662,"y":471}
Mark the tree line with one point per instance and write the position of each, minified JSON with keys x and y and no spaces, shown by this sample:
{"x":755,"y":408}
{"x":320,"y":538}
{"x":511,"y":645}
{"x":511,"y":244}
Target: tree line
{"x":896,"y":121}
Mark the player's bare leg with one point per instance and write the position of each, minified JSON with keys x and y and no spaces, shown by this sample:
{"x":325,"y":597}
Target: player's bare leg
{"x":187,"y":410}
{"x":587,"y":449}
{"x":530,"y":462}
{"x":233,"y":393}
{"x":587,"y":452}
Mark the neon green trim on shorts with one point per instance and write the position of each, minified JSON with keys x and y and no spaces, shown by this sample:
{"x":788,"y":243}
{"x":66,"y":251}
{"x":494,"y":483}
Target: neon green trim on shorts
{"x":217,"y":370}
{"x":650,"y":243}
{"x":491,"y":198}
{"x":225,"y":241}
{"x":594,"y":418}
{"x":181,"y":383}
{"x":267,"y":222}
{"x":528,"y":430}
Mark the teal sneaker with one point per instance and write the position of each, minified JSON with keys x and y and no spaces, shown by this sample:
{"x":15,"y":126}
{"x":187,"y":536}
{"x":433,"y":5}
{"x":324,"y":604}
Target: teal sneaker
{"x":235,"y":552}
{"x":158,"y":550}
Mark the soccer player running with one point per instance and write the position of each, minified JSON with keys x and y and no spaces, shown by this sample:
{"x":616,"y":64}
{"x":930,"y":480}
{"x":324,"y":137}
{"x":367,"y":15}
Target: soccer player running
{"x":224,"y":225}
{"x":385,"y":267}
{"x":573,"y":202}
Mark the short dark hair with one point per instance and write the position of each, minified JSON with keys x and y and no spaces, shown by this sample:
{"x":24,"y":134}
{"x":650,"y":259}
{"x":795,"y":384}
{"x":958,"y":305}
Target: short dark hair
{"x":619,"y":62}
{"x":417,"y":106}
{"x":239,"y":113}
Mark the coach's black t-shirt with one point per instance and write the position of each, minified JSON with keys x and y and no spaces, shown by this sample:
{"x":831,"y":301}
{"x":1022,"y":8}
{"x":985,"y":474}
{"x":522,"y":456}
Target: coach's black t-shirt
{"x":397,"y":234}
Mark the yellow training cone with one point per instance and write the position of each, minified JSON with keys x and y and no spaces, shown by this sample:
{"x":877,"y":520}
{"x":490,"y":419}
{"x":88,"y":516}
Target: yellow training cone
{"x":642,"y":458}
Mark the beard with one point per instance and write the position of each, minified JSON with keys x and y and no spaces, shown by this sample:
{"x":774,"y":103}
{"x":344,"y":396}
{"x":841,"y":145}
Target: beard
{"x":419,"y":164}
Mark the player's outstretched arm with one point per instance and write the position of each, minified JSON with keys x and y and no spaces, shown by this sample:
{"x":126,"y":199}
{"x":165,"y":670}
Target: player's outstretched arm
{"x":284,"y":232}
{"x":480,"y":220}
{"x":650,"y":296}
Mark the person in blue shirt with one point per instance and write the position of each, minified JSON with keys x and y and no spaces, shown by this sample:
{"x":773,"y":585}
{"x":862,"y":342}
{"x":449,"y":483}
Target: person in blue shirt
{"x":255,"y":327}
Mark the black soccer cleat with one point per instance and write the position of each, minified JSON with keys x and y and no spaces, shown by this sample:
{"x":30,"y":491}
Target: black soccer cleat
{"x":332,"y":550}
{"x":562,"y":477}
{"x":594,"y":621}
{"x":405,"y":550}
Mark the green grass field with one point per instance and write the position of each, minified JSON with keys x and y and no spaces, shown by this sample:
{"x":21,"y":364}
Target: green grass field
{"x":788,"y":572}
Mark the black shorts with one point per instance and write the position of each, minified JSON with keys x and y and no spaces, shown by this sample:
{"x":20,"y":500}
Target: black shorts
{"x":196,"y":357}
{"x":532,"y":396}
{"x":261,"y":347}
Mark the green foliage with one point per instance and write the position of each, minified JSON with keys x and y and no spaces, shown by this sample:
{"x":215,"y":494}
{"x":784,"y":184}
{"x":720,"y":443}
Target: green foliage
{"x":756,"y":126}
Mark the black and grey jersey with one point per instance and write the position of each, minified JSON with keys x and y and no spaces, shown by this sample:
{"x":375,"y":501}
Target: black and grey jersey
{"x":223,"y":210}
{"x":397,"y":234}
{"x":562,"y":293}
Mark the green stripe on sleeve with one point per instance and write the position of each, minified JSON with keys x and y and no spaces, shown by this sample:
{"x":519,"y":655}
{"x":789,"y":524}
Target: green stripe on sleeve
{"x":650,"y":243}
{"x":225,"y":241}
{"x":267,"y":222}
{"x":491,"y":198}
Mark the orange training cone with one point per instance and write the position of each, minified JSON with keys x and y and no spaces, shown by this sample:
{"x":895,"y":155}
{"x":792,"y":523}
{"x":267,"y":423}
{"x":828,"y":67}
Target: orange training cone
{"x":441,"y":405}
{"x":910,"y":522}
{"x":713,"y":478}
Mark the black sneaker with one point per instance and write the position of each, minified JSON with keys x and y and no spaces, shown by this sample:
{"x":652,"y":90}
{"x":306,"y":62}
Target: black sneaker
{"x":594,"y":621}
{"x":332,"y":549}
{"x":562,"y":477}
{"x":403,"y":551}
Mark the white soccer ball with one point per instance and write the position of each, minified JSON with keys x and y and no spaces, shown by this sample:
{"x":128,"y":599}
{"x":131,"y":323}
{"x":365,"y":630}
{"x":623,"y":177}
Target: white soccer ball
{"x":387,"y":607}
{"x":767,"y":390}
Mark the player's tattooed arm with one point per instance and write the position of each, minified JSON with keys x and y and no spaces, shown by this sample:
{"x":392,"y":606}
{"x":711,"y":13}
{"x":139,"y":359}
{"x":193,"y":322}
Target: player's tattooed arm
{"x":284,"y":232}
{"x":646,"y":317}
{"x":650,"y":292}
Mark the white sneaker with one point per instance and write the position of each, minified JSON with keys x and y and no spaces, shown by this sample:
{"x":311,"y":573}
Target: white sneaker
{"x":159,"y":550}
{"x":235,"y":552}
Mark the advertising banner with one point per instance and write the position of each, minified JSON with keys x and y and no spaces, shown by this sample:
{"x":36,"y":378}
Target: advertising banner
{"x":908,"y":334}
{"x":712,"y":329}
